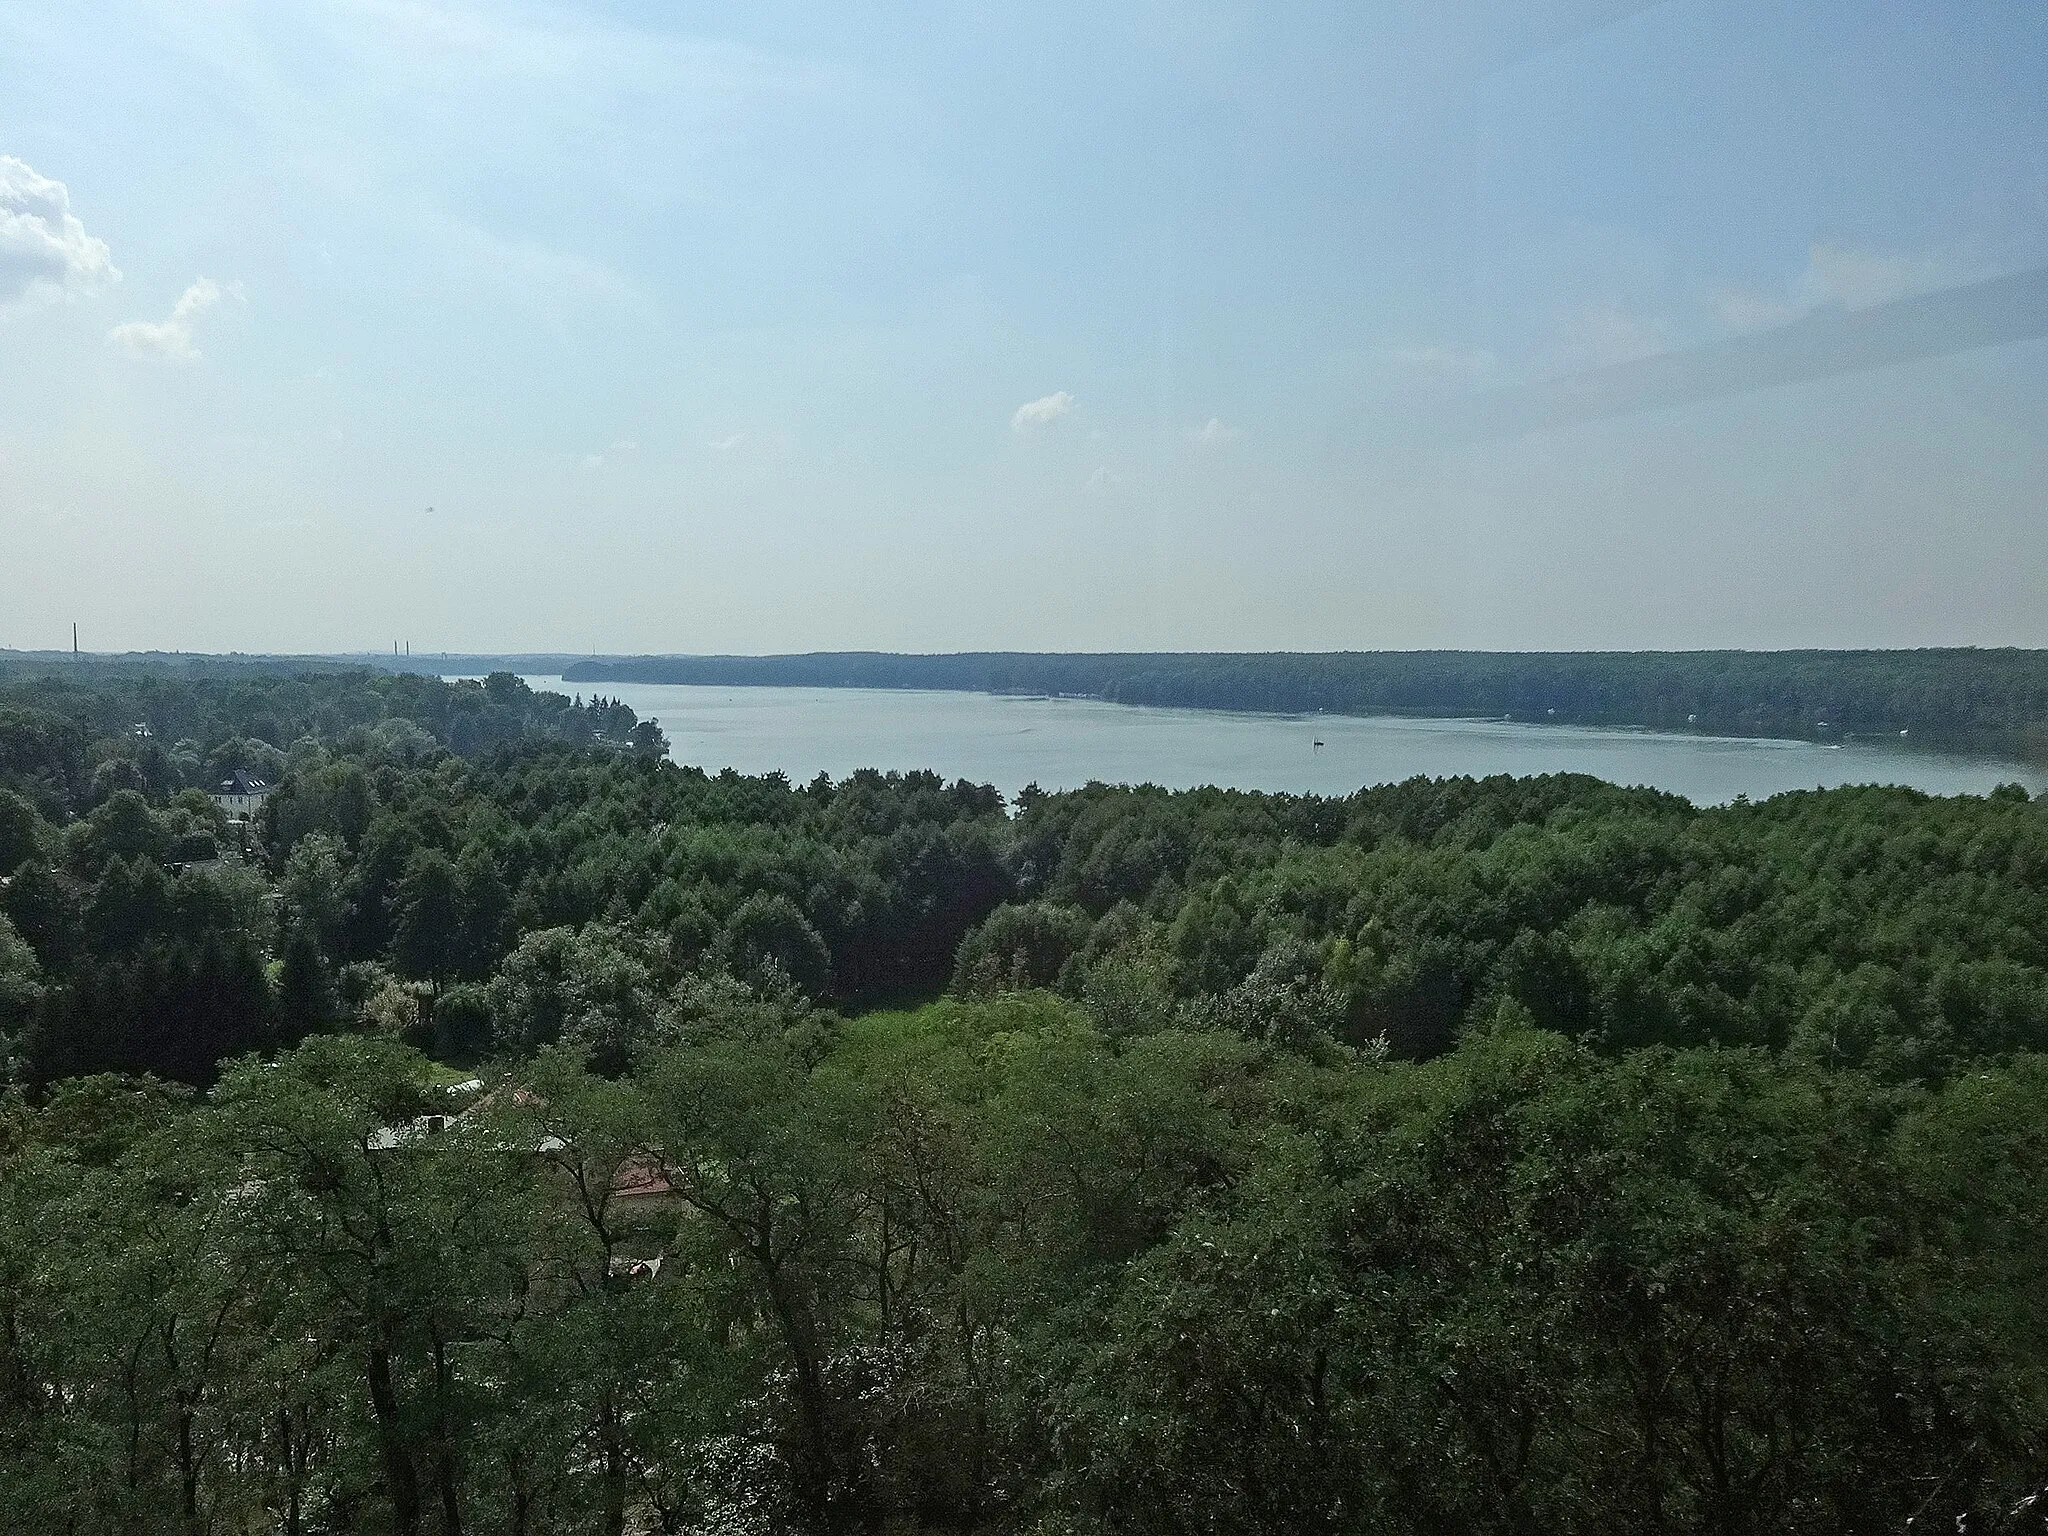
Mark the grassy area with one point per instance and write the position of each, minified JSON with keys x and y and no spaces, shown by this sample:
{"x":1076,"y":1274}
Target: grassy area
{"x":890,"y":1000}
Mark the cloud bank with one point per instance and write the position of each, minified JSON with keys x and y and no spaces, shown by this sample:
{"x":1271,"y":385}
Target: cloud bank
{"x":45,"y":253}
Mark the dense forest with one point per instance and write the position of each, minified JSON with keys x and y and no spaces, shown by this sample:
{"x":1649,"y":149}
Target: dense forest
{"x":72,"y":735}
{"x":511,"y":1130}
{"x":1987,"y":697}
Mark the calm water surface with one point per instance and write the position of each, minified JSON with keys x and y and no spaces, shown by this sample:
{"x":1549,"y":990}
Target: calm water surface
{"x":1065,"y":743}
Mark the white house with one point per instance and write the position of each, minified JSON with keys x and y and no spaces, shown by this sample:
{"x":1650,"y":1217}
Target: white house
{"x":241,"y":795}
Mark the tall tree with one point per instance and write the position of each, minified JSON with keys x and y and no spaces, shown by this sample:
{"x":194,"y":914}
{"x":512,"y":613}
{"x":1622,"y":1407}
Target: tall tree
{"x":427,"y":936}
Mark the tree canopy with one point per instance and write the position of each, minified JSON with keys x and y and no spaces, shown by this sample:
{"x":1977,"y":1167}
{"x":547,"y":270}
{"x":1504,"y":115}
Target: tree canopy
{"x":542,"y":1137}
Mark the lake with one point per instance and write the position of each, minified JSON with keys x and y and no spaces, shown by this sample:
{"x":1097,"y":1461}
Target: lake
{"x":1065,"y":743}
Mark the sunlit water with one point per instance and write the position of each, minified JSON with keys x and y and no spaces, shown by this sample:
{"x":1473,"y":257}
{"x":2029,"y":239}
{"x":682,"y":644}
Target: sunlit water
{"x":1065,"y":743}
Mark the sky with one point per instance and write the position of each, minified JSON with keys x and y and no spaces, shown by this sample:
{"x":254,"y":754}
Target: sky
{"x":640,"y":327}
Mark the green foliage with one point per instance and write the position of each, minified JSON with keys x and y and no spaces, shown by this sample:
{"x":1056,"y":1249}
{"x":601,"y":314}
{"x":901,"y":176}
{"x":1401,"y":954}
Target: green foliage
{"x":21,"y":998}
{"x":69,"y":738}
{"x":976,"y":1267}
{"x":591,"y":991}
{"x":768,"y":930}
{"x":426,"y":939}
{"x":23,"y":833}
{"x":1021,"y":945}
{"x":312,"y":889}
{"x":1492,"y":1156}
{"x":307,"y":999}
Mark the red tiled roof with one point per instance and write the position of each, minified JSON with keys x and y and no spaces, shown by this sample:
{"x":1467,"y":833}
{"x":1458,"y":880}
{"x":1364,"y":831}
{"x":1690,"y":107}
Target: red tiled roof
{"x":640,"y":1177}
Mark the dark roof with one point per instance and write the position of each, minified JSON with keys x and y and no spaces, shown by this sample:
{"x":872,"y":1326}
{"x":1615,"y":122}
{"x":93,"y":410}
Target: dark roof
{"x":240,"y":783}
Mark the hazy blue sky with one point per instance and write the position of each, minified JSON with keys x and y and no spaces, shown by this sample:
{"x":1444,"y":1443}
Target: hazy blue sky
{"x":1108,"y":325}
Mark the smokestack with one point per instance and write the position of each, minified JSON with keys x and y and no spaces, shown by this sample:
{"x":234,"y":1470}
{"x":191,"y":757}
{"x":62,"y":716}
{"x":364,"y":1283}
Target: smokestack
{"x":74,"y":637}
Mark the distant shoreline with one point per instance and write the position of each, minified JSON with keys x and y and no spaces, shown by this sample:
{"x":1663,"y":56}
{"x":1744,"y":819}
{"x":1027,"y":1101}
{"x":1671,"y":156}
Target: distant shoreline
{"x":1953,"y":698}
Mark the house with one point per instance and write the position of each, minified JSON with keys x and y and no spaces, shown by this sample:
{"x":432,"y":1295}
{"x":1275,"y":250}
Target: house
{"x":241,"y":795}
{"x":641,"y":1183}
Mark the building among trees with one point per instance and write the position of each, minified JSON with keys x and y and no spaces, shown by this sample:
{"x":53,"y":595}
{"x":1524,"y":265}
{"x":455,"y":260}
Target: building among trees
{"x":241,"y":795}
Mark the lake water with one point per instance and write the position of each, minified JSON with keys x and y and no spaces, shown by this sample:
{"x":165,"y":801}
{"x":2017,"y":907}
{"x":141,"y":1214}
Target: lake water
{"x":1065,"y":743}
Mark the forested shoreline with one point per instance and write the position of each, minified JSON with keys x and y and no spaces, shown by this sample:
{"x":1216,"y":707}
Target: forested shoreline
{"x":512,"y":1130}
{"x":1964,"y":697}
{"x":1961,"y":698}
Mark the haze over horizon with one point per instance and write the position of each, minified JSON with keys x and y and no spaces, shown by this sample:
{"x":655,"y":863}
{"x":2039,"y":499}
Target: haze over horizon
{"x":774,"y":329}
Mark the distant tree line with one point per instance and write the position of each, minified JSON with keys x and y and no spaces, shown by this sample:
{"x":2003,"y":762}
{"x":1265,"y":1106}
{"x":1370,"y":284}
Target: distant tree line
{"x":70,"y":737}
{"x":1957,"y":696}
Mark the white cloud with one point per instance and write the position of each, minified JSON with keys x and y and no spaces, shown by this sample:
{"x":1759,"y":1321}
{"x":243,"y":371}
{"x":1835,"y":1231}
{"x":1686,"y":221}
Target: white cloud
{"x":1858,"y":279}
{"x":1043,"y":411}
{"x":1745,"y":310}
{"x":752,"y":448}
{"x":1439,"y":358}
{"x":1601,"y":334}
{"x":45,"y":253}
{"x":618,"y":450}
{"x":1212,"y":433}
{"x":172,"y":337}
{"x":1838,"y":275}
